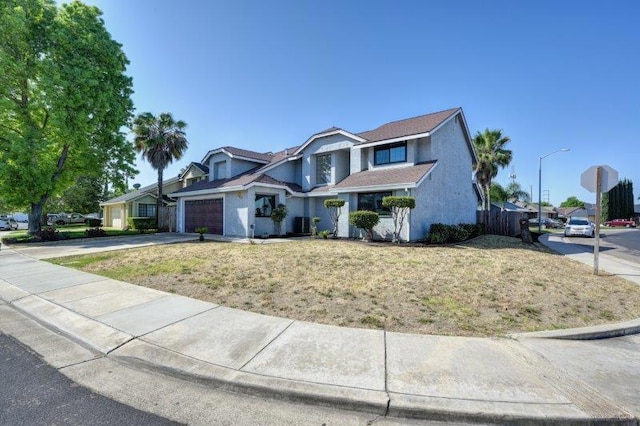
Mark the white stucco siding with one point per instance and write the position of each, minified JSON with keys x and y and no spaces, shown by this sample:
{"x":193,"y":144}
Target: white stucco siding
{"x":240,"y":166}
{"x":236,"y":214}
{"x":217,"y":158}
{"x":341,"y":165}
{"x":295,"y":208}
{"x":424,"y":153}
{"x":318,"y":210}
{"x":264,"y":225}
{"x":326,"y":145}
{"x":446,"y":195}
{"x":285,"y":172}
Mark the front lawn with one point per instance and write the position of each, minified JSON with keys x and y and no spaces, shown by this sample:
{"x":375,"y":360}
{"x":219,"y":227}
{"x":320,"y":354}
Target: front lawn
{"x":488,"y":286}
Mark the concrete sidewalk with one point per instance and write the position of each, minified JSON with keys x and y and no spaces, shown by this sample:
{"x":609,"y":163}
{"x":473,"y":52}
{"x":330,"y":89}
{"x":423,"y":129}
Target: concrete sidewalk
{"x":521,"y":379}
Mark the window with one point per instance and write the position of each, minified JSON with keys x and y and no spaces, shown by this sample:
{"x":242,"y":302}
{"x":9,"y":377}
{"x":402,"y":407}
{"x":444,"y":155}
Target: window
{"x":264,"y":205}
{"x":323,"y":169}
{"x":373,"y":202}
{"x":220,"y":170}
{"x":146,"y":210}
{"x":388,"y":154}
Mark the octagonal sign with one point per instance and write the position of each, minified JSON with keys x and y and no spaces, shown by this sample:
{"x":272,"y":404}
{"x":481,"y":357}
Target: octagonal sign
{"x":609,"y":178}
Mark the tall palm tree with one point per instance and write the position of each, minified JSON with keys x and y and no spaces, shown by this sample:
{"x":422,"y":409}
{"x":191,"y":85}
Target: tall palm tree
{"x":491,"y":155}
{"x":160,"y":140}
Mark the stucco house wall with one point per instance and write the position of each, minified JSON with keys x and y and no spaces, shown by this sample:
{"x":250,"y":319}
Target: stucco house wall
{"x":447,"y":194}
{"x":324,"y":145}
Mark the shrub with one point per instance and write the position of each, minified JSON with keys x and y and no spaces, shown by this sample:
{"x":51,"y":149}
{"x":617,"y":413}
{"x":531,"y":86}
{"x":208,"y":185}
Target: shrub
{"x":201,"y":230}
{"x":439,"y":233}
{"x":324,"y":234}
{"x":366,"y":220}
{"x":95,"y":232}
{"x":93,"y":222}
{"x":314,"y":227}
{"x":277,"y":216}
{"x":334,"y":208}
{"x":48,"y":234}
{"x":142,"y":223}
{"x":399,"y":207}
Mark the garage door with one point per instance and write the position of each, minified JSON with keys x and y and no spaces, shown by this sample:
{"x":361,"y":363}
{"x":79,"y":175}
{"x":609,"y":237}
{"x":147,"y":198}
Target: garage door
{"x":207,"y":213}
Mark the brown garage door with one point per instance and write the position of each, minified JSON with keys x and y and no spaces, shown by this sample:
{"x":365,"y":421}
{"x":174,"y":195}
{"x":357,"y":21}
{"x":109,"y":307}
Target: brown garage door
{"x":207,"y":213}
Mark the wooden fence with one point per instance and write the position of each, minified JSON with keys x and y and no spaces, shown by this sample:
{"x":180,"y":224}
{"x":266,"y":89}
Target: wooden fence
{"x":501,"y":222}
{"x":167,"y":218}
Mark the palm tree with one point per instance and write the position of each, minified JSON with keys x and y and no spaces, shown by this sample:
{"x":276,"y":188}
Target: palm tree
{"x":515,"y":193}
{"x":160,"y":140}
{"x":491,"y":155}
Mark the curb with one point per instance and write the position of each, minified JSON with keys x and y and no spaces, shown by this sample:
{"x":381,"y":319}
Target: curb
{"x":596,"y":332}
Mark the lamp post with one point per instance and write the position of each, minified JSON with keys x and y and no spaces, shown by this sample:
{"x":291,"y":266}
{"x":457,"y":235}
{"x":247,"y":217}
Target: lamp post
{"x":540,"y":186}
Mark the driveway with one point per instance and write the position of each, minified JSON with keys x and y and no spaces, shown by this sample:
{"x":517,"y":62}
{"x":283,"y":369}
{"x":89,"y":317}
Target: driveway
{"x":93,"y":245}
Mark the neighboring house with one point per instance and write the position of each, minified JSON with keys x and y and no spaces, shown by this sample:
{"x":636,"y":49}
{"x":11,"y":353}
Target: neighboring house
{"x":547,"y":211}
{"x":507,"y":206}
{"x":428,"y":157}
{"x":138,"y":203}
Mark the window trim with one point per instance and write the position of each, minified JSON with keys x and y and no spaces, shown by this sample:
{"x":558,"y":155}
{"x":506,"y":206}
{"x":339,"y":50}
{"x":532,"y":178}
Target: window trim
{"x":388,"y":148}
{"x":147,"y":206}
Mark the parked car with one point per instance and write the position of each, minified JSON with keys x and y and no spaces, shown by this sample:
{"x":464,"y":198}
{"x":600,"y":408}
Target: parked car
{"x":546,"y":222}
{"x":628,"y":223}
{"x":8,"y":223}
{"x":66,"y":219}
{"x":580,"y":226}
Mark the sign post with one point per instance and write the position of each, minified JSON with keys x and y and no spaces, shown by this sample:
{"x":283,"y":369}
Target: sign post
{"x":598,"y":179}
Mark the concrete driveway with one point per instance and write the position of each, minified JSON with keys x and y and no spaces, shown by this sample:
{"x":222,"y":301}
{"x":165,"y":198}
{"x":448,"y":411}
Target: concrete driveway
{"x":54,"y":249}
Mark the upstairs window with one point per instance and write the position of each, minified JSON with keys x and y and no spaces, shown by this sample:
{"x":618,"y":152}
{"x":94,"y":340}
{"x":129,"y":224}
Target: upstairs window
{"x":323,"y":169}
{"x":389,"y":154}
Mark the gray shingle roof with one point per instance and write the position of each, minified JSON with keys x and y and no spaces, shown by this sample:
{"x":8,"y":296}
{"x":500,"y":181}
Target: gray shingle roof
{"x":251,"y":176}
{"x":387,"y":176}
{"x":408,"y":127}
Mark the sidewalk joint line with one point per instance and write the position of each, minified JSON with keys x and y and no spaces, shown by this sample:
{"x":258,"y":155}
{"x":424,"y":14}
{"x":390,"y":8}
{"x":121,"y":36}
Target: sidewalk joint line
{"x":265,"y":346}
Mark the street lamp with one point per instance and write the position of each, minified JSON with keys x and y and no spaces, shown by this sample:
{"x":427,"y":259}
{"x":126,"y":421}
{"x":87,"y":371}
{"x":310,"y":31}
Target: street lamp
{"x":540,"y":187}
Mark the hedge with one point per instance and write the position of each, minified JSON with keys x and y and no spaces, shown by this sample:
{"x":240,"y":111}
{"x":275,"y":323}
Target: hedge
{"x":142,"y":223}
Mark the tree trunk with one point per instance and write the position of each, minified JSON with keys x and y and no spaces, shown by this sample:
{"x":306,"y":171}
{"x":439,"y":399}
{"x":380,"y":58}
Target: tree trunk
{"x":35,"y":216}
{"x":159,"y":201}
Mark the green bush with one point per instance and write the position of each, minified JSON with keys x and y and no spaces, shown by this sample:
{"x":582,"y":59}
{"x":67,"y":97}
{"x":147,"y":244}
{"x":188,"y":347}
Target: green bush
{"x":366,"y":220}
{"x":142,"y":223}
{"x":48,"y":234}
{"x":95,"y":232}
{"x":439,"y":233}
{"x":324,"y":234}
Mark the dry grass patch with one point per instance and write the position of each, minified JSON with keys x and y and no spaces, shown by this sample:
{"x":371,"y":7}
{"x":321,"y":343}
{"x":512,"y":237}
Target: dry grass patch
{"x":489,"y":286}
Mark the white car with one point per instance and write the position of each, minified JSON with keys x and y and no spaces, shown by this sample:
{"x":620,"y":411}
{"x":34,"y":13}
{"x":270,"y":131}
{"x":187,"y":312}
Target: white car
{"x":8,"y":223}
{"x":580,"y":226}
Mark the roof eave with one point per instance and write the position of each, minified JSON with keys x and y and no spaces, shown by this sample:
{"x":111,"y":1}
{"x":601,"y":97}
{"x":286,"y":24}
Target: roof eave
{"x":392,"y":140}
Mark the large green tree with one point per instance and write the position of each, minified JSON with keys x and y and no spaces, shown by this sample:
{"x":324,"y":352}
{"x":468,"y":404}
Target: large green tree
{"x":160,"y":140}
{"x":492,"y":155}
{"x":64,"y":96}
{"x":572,"y":201}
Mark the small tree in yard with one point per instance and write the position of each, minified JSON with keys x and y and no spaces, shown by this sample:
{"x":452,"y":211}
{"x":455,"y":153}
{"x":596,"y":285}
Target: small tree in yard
{"x":366,"y":220}
{"x":399,"y":207}
{"x":277,"y":216}
{"x":334,"y":206}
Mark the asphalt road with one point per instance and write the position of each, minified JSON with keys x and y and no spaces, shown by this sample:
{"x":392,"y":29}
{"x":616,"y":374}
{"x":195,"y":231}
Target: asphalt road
{"x":32,"y":392}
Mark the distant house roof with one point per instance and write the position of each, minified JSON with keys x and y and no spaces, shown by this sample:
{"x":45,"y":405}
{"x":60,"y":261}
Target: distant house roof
{"x":394,"y":176}
{"x":407,"y":127}
{"x":507,"y":206}
{"x":243,"y":180}
{"x":146,"y":190}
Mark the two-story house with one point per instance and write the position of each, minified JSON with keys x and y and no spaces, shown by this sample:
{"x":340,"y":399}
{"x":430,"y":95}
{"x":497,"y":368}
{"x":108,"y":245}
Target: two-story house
{"x":428,"y":157}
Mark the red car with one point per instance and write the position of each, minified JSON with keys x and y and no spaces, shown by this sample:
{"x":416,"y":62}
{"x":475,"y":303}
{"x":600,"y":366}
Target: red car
{"x":621,"y":222}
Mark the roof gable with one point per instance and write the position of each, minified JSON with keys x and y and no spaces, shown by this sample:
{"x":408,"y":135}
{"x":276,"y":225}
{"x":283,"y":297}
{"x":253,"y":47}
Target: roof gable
{"x":408,"y":127}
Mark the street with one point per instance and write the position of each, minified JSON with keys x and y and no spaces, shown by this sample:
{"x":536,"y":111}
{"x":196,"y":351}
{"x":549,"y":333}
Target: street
{"x":32,"y":392}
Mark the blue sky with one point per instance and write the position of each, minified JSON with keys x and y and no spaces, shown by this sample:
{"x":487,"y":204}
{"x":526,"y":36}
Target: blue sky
{"x":266,"y":75}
